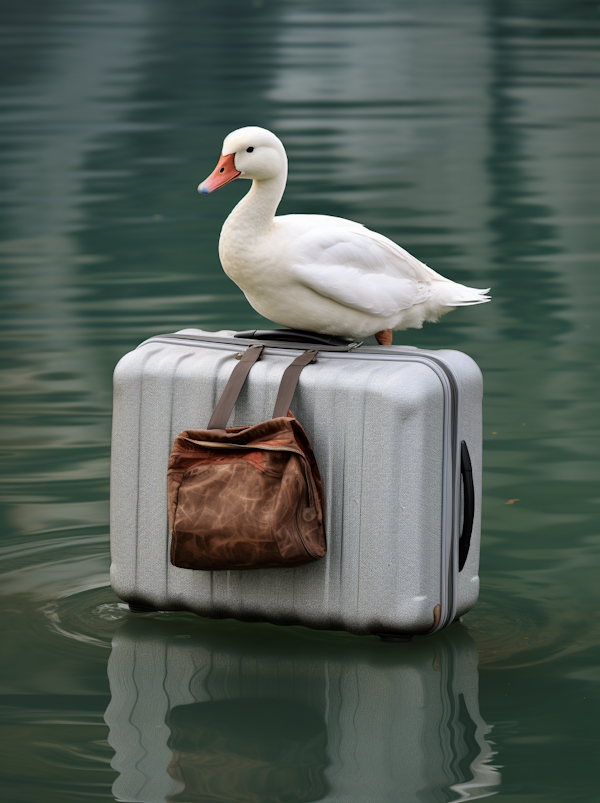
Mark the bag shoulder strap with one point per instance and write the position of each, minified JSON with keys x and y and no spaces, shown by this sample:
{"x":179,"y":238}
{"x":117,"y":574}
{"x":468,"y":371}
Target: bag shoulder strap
{"x":238,"y":376}
{"x":289,"y":380}
{"x":233,"y":387}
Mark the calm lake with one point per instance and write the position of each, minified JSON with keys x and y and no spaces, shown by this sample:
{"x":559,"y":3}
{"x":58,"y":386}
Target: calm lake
{"x":467,"y":131}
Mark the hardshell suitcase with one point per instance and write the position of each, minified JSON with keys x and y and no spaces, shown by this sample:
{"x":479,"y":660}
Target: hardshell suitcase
{"x":396,"y":432}
{"x":199,"y":713}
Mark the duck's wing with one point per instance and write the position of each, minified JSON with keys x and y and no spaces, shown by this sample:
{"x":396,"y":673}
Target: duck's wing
{"x":345,"y":262}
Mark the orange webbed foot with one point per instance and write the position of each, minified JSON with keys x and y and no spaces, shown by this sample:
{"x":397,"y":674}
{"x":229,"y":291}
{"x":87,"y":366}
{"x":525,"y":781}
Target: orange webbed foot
{"x":384,"y":338}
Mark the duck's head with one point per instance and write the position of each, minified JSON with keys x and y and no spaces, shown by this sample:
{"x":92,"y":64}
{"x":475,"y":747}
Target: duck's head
{"x":250,"y":152}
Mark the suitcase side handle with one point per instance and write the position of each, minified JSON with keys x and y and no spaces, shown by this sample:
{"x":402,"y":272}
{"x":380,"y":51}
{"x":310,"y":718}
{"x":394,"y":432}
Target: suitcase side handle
{"x":466,"y":472}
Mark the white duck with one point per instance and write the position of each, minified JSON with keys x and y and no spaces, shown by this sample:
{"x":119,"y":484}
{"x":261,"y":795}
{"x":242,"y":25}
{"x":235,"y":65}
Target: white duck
{"x":316,"y":272}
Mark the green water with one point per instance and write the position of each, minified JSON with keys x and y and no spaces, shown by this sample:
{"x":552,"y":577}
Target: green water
{"x":467,"y":131}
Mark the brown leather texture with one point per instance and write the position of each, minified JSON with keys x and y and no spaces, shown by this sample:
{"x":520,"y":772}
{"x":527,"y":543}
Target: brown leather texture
{"x":245,"y":498}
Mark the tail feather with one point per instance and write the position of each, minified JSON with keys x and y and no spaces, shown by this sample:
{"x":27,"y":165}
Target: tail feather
{"x":457,"y":295}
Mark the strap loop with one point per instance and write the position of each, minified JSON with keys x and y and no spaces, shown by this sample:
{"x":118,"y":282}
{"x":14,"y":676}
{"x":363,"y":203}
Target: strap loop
{"x":233,"y":387}
{"x":238,"y":376}
{"x":289,"y":381}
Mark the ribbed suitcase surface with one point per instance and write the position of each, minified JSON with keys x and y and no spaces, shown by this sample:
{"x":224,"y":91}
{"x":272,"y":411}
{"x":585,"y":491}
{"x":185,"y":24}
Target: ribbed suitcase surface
{"x":386,"y":424}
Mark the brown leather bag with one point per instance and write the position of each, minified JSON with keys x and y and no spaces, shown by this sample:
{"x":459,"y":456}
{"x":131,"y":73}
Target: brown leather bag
{"x":246,"y":497}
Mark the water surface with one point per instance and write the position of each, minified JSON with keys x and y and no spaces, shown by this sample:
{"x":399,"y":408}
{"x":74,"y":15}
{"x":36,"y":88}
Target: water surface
{"x":468,"y":132}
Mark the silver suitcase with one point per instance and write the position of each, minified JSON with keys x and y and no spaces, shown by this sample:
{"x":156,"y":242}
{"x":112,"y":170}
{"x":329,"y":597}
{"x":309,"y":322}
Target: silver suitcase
{"x":396,"y":432}
{"x":205,"y":713}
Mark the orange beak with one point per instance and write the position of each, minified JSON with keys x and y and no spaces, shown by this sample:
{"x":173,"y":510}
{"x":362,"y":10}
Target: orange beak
{"x":223,"y":173}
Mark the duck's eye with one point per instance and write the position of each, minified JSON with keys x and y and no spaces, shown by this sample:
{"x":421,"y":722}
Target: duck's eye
{"x":249,"y":150}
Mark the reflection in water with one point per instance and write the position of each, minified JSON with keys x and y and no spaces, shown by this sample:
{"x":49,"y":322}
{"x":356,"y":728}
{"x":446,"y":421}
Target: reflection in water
{"x":206,"y":712}
{"x":218,"y":751}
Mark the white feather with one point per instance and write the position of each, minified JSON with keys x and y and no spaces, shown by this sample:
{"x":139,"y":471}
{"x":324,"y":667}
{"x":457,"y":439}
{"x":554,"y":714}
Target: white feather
{"x":344,"y":265}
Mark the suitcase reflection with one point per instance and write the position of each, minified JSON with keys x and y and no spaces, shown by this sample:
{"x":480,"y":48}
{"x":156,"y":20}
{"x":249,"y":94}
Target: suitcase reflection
{"x":205,"y":711}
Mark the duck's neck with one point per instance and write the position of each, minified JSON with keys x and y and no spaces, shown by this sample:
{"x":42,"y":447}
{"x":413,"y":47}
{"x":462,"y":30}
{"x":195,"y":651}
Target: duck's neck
{"x":255,"y":212}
